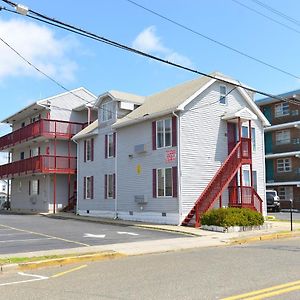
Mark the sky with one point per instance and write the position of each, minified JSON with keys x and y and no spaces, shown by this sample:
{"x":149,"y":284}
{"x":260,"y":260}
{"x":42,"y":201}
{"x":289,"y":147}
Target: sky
{"x":76,"y":61}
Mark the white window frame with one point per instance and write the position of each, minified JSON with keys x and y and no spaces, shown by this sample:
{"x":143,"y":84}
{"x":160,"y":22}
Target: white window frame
{"x":34,"y":187}
{"x":88,"y":149}
{"x":282,"y":109}
{"x":110,"y":188}
{"x":285,"y":192}
{"x":246,"y":177}
{"x":164,"y":133}
{"x":163,"y":170}
{"x":283,"y":137}
{"x":223,"y":95}
{"x":88,"y":187}
{"x":110,"y":145}
{"x":284,"y":165}
{"x":107,"y":111}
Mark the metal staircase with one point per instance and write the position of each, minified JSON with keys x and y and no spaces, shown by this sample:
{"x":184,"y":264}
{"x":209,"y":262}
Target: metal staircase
{"x":241,"y":154}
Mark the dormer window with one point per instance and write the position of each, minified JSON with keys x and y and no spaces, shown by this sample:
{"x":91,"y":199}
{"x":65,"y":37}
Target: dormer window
{"x":107,"y":111}
{"x":223,"y":94}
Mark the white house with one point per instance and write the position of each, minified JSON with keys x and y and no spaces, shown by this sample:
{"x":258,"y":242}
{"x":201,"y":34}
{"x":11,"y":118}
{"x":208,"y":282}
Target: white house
{"x":42,"y":157}
{"x":169,"y":157}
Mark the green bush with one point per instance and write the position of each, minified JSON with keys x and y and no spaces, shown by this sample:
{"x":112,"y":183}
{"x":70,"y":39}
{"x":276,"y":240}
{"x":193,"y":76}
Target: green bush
{"x":227,"y":217}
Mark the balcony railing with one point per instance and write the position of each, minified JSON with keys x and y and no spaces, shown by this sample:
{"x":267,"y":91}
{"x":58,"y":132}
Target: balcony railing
{"x":39,"y":164}
{"x":43,"y":127}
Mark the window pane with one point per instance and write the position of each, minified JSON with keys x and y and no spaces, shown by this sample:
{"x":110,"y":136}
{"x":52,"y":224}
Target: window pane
{"x":160,"y":182}
{"x":222,"y":94}
{"x":88,"y":187}
{"x":168,"y":132}
{"x":110,"y":186}
{"x":88,"y":149}
{"x":110,"y":145}
{"x":160,"y":134}
{"x":168,"y":182}
{"x":246,"y":177}
{"x":253,"y":137}
{"x":245,"y":132}
{"x":34,"y":187}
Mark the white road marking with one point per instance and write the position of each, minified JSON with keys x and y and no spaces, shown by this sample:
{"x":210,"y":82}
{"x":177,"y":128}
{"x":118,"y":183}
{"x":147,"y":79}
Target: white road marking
{"x":90,"y":235}
{"x":26,"y":240}
{"x":5,"y":234}
{"x":129,"y":233}
{"x":36,"y":278}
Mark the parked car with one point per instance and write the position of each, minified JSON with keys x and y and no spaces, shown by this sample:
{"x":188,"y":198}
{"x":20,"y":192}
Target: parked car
{"x":273,"y":200}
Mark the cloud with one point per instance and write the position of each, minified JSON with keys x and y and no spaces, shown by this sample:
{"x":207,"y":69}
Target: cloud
{"x":39,"y":46}
{"x":148,"y":41}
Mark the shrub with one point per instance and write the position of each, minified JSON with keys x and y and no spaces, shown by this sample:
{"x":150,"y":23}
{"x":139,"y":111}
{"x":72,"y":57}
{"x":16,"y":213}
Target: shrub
{"x":227,"y":217}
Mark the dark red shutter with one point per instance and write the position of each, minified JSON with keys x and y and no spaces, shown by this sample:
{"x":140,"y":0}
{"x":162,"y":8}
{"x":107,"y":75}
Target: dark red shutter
{"x":105,"y":186}
{"x":175,"y":182}
{"x":92,"y":149}
{"x":154,"y":183}
{"x":114,"y":141}
{"x":174,"y":131}
{"x":84,"y":187}
{"x":38,"y":187}
{"x":84,"y":151}
{"x":105,"y":144}
{"x":154,"y":135}
{"x":29,"y":187}
{"x":92,"y":187}
{"x":114,"y":186}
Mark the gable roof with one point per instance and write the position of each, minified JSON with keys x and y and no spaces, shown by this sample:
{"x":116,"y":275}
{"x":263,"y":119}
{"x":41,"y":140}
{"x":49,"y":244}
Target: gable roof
{"x":176,"y":98}
{"x":290,"y":94}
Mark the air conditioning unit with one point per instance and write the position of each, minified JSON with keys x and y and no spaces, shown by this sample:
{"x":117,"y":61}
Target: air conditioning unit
{"x":140,"y":148}
{"x":140,"y":199}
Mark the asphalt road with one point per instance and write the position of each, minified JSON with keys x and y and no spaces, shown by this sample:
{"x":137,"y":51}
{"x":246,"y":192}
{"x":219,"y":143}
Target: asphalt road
{"x":26,"y":233}
{"x":206,"y":273}
{"x":285,"y":215}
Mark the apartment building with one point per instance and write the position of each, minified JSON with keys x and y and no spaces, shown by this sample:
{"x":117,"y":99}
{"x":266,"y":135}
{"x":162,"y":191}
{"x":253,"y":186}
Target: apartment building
{"x":41,"y":167}
{"x":169,"y":157}
{"x":282,"y":146}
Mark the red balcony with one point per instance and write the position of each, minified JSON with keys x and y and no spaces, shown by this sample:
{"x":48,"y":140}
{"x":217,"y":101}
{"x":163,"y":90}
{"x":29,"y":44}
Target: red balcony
{"x":43,"y":127}
{"x":44,"y":164}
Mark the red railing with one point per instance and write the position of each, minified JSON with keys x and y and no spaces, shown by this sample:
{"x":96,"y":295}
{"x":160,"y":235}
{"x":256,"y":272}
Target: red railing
{"x":240,"y":154}
{"x":43,"y":127}
{"x":39,"y":164}
{"x":246,"y":197}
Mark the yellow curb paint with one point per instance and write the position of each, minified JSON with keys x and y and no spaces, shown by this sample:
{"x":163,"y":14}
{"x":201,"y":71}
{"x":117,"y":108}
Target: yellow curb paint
{"x":69,"y":271}
{"x":69,"y":260}
{"x":261,"y":293}
{"x":268,"y":237}
{"x":46,"y":235}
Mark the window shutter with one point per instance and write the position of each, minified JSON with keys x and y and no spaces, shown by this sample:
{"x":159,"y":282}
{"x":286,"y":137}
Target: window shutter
{"x":29,"y":187}
{"x":175,"y":182}
{"x":114,"y":186}
{"x":92,"y":187}
{"x":154,"y":135}
{"x":84,"y":187}
{"x":154,"y":183}
{"x":105,"y":186}
{"x":105,"y":144}
{"x":92,"y":149}
{"x":38,"y":187}
{"x":114,"y":141}
{"x":174,"y":131}
{"x":84,"y":151}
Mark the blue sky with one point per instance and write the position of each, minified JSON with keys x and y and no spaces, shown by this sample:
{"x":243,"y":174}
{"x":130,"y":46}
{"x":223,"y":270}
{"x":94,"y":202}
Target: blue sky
{"x":76,"y":61}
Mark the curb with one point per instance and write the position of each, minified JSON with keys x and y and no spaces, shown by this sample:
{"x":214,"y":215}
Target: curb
{"x":62,"y":261}
{"x":266,"y":237}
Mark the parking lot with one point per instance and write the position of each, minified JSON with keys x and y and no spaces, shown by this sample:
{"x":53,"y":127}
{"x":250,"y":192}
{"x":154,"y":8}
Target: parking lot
{"x":27,"y":233}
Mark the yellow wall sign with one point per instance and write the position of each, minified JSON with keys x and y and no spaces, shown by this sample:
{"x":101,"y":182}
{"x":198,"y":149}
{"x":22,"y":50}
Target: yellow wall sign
{"x":139,"y":169}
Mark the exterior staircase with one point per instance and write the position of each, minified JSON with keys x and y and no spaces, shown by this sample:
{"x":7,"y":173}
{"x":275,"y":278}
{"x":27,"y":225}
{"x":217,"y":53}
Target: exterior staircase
{"x":240,"y":154}
{"x":71,"y":204}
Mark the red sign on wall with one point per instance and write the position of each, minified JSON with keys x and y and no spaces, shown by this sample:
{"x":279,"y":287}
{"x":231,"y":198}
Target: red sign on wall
{"x":170,"y":155}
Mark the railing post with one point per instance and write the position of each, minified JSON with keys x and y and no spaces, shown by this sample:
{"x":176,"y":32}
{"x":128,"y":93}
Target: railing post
{"x":197,"y":216}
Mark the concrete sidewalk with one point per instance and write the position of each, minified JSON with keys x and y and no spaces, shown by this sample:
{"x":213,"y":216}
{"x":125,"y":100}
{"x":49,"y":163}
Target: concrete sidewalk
{"x":192,"y":238}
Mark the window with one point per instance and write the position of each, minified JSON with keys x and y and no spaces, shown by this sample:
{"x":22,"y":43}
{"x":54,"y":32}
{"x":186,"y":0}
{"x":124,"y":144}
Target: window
{"x":283,"y":137}
{"x":20,"y":186}
{"x":164,"y":182}
{"x":89,"y":186}
{"x":109,"y":189}
{"x":22,"y":155}
{"x":282,"y":109}
{"x":245,"y":132}
{"x":254,"y":176}
{"x":110,"y":145}
{"x":284,"y":165}
{"x":164,"y":133}
{"x":89,"y":150}
{"x":223,"y":94}
{"x":107,"y":110}
{"x":246,"y":178}
{"x":34,"y":187}
{"x":253,"y":139}
{"x":285,"y":193}
{"x":34,"y":151}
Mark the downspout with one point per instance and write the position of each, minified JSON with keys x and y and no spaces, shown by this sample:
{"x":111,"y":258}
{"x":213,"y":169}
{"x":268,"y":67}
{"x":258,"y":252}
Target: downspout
{"x":77,"y":174}
{"x":178,"y":168}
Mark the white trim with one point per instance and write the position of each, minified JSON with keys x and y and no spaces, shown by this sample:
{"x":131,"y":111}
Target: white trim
{"x":164,"y":133}
{"x":283,"y":183}
{"x":284,"y":154}
{"x":283,"y":126}
{"x":164,"y":176}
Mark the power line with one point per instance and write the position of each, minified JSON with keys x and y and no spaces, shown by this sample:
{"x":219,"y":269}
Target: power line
{"x":71,"y":28}
{"x":212,"y":40}
{"x":265,"y":16}
{"x":277,"y":12}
